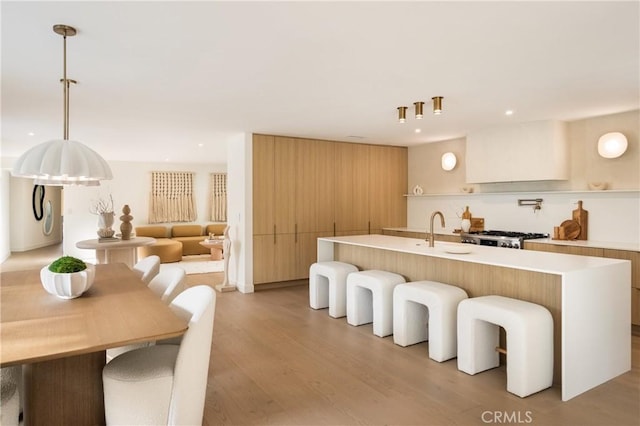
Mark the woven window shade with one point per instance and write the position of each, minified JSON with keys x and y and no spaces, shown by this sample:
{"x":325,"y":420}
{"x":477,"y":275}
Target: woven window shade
{"x":172,"y":197}
{"x":218,"y":197}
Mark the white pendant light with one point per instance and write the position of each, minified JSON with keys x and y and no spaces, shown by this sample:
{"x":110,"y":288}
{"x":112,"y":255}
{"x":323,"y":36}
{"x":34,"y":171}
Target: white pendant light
{"x":63,"y":161}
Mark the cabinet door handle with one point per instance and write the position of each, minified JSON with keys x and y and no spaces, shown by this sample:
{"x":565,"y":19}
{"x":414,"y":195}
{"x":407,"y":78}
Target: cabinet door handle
{"x":334,"y":229}
{"x":369,"y":227}
{"x":296,"y":232}
{"x":274,"y":234}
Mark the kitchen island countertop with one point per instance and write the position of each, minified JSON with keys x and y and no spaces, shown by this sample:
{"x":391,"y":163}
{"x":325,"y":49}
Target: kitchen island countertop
{"x":530,"y":260}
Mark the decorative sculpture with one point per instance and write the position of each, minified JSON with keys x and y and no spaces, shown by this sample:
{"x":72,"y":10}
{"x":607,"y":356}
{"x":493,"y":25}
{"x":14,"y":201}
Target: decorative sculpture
{"x":125,"y":226}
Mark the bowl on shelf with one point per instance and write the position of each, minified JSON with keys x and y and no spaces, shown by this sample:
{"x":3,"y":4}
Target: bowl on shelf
{"x":467,"y":189}
{"x":597,"y":186}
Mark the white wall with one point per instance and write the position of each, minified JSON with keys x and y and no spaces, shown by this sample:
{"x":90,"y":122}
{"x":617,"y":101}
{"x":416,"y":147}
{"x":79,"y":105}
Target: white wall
{"x":613,"y":216}
{"x":5,"y":216}
{"x":239,"y":205}
{"x":131,"y":185}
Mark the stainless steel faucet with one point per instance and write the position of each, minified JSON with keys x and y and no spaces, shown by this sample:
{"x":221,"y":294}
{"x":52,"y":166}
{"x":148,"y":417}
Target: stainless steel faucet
{"x":430,"y":234}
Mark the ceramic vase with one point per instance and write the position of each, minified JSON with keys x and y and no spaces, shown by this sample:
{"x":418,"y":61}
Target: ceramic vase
{"x":465,"y":225}
{"x":105,"y":222}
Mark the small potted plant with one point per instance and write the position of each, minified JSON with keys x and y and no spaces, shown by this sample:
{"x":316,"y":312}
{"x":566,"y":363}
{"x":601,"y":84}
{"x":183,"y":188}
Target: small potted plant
{"x":67,"y":277}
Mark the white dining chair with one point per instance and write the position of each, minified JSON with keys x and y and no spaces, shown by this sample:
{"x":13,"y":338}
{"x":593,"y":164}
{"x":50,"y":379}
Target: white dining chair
{"x":147,"y":268}
{"x":10,"y":378}
{"x":165,"y":384}
{"x":168,"y":283}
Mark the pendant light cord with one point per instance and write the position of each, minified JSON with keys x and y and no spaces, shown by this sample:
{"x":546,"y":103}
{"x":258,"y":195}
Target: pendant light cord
{"x":65,"y":85}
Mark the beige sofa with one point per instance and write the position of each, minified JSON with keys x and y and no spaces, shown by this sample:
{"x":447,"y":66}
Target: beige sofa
{"x":176,"y":241}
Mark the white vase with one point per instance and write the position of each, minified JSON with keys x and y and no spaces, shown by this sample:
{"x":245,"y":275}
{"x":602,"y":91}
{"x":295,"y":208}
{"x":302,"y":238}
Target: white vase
{"x":105,"y":222}
{"x":465,"y":225}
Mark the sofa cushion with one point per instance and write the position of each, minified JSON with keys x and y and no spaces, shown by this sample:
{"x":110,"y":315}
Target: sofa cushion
{"x":186,"y":231}
{"x":152,"y":231}
{"x":215,"y":228}
{"x":191,"y":245}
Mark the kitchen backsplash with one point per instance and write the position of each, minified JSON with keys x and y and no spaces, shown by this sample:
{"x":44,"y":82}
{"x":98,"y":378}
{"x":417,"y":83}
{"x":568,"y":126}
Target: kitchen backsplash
{"x":613,"y":216}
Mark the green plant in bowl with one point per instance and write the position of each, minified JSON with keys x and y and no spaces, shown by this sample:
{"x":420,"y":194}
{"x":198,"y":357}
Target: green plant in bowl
{"x":67,"y":277}
{"x":67,"y":264}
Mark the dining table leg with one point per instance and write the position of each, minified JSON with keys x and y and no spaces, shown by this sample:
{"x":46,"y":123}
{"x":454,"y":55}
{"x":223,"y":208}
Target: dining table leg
{"x":65,"y":391}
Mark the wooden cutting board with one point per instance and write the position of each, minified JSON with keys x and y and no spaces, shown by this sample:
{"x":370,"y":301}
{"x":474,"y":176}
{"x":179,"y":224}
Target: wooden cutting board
{"x":570,"y":229}
{"x":581,"y":216}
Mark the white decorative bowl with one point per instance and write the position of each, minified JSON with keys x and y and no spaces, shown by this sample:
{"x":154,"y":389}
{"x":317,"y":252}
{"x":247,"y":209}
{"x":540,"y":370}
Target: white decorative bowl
{"x":70,"y":285}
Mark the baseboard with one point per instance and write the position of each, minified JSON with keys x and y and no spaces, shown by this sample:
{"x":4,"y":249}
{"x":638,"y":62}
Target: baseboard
{"x":281,"y":284}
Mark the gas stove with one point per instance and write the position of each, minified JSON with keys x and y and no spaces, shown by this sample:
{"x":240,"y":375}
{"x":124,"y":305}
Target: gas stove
{"x":499,"y":238}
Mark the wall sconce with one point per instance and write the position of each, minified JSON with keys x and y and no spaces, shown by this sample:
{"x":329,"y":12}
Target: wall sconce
{"x":437,"y":105}
{"x":449,"y":161}
{"x":402,"y":114}
{"x":612,"y":145}
{"x":418,"y":108}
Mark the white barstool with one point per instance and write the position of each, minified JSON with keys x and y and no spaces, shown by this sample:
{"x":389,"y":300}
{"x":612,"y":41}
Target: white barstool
{"x":427,"y":310}
{"x":328,"y":286}
{"x":529,"y":329}
{"x":370,"y":299}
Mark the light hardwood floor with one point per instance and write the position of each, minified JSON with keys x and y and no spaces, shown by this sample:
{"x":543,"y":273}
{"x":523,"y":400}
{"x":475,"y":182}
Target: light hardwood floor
{"x":276,"y":361}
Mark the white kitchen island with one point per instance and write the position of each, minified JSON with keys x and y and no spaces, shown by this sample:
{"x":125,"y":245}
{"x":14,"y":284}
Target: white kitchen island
{"x":588,"y":297}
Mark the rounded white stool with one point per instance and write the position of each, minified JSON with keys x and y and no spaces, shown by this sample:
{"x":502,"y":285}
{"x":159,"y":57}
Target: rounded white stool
{"x":328,"y":286}
{"x":370,"y":299}
{"x":529,"y":329}
{"x":427,"y":310}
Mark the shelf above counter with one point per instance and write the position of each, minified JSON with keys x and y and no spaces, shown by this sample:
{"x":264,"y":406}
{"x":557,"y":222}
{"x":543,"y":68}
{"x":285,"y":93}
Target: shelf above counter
{"x":471,"y":194}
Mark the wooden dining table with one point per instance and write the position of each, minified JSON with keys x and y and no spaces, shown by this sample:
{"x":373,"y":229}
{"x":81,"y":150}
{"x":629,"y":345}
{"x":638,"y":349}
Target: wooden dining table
{"x":62,"y":344}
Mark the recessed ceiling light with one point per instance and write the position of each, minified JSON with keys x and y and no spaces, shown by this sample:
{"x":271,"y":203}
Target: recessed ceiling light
{"x":508,"y":112}
{"x":417,"y":130}
{"x":200,"y":145}
{"x":31,"y":134}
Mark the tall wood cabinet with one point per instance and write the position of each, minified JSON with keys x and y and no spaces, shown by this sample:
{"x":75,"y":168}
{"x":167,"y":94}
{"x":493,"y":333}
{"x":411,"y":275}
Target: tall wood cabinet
{"x":304,"y":189}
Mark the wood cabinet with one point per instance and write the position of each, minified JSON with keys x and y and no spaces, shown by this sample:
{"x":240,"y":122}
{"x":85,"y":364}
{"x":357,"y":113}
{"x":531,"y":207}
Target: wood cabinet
{"x":352,"y":188}
{"x":556,"y":248}
{"x":633,"y":256}
{"x":387,"y":204}
{"x":274,"y":177}
{"x":304,"y":189}
{"x":315,"y":185}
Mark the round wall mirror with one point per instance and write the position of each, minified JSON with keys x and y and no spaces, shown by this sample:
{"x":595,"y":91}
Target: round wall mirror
{"x":47,"y":224}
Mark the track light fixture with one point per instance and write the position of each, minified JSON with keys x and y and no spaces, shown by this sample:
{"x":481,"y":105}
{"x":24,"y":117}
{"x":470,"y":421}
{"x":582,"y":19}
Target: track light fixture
{"x":418,"y":107}
{"x":402,"y":114}
{"x":437,"y":105}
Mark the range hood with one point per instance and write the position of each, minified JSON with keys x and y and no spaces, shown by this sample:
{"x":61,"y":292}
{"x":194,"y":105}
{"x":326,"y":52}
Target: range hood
{"x":532,"y":151}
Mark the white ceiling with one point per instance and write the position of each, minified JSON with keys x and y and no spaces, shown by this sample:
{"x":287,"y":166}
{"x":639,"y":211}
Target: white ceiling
{"x":158,"y":78}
